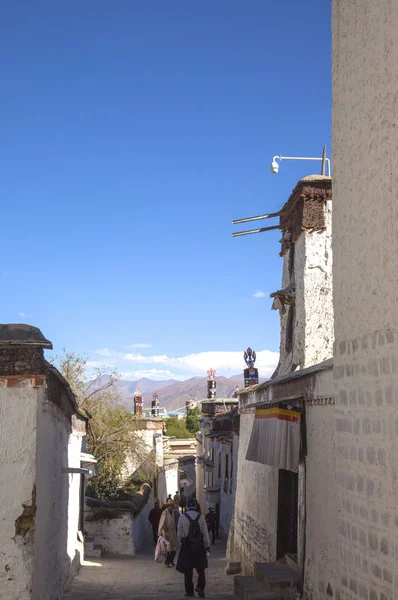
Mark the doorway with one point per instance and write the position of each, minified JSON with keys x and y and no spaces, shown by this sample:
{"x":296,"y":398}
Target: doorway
{"x":218,"y":521}
{"x":287,"y":513}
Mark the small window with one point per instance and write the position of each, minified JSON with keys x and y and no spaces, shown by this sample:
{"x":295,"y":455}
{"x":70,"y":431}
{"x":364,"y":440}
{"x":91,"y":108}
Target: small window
{"x":289,"y":329}
{"x":232,"y":466}
{"x":291,"y":259}
{"x":226,"y":466}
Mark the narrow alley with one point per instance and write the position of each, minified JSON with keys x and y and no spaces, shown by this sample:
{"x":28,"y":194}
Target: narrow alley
{"x":127,"y":578}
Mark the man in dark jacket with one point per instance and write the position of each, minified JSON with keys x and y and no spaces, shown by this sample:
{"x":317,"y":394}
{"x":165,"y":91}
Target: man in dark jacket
{"x":211,"y":524}
{"x":183,"y":501}
{"x":194,"y":538}
{"x":154,"y":519}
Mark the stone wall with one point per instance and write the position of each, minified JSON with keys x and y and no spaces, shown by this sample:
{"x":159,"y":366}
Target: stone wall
{"x":365,"y":222}
{"x":307,"y":267}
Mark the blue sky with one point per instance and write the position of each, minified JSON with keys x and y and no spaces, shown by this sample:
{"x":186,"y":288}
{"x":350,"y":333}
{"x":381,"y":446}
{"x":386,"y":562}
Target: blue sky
{"x":132,"y":134}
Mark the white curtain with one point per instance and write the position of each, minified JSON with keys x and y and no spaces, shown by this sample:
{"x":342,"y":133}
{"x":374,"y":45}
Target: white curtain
{"x":275,"y":438}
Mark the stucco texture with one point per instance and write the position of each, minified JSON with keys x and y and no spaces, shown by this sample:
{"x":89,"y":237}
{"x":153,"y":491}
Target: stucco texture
{"x":255,"y":517}
{"x":124,"y":534}
{"x":56,"y":526}
{"x":365,"y":240}
{"x":18,"y":426}
{"x":320,"y":538}
{"x":311,"y":276}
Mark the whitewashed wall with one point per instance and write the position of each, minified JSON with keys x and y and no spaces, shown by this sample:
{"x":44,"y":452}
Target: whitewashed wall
{"x":39,"y":556}
{"x":200,"y":475}
{"x":313,"y":335}
{"x":75,"y":548}
{"x":255,"y":514}
{"x":190,"y":470}
{"x":56,"y":523}
{"x":171,"y":482}
{"x":123,"y":535}
{"x":18,"y":429}
{"x":365,"y":244}
{"x":320,"y":492}
{"x":227,"y":498}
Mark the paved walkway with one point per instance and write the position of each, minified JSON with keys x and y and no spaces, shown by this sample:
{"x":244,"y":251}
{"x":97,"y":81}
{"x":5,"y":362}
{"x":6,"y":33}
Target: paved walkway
{"x":139,"y":577}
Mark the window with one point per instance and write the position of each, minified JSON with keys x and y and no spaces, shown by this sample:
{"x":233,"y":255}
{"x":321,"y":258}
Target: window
{"x":232,"y":468}
{"x":226,"y":466}
{"x":291,"y":259}
{"x":289,"y":329}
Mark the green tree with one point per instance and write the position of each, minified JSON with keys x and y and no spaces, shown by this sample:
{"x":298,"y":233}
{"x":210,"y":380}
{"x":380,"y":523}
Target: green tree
{"x":113,"y":432}
{"x":192,"y":421}
{"x":176,"y":427}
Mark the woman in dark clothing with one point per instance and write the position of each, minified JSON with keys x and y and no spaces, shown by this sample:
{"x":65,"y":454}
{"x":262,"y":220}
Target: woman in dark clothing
{"x":154,"y":518}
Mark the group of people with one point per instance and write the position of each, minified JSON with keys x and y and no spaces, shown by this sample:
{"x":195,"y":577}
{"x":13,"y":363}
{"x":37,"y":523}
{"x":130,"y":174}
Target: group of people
{"x":189,"y":529}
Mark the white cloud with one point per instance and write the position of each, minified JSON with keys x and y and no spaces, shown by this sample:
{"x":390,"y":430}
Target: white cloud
{"x":259,"y":294}
{"x":139,"y":346}
{"x":160,"y":374}
{"x":160,"y":366}
{"x":139,"y":358}
{"x":23,"y":314}
{"x":106,"y":352}
{"x":96,"y":364}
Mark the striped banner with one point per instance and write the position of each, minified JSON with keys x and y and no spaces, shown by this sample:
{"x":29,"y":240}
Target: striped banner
{"x":275,"y":438}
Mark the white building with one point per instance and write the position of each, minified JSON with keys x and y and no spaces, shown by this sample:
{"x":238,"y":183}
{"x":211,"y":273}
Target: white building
{"x":285,"y":475}
{"x":217,"y":451}
{"x":363,"y":534}
{"x":41,"y":433}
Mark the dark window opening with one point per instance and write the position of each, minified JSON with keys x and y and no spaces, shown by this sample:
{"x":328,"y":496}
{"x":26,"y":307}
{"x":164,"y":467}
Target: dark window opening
{"x":232,"y":469}
{"x":291,"y":259}
{"x":226,"y":466}
{"x":289,"y":329}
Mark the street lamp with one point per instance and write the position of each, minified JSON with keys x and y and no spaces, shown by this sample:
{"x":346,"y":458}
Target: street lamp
{"x":275,"y":165}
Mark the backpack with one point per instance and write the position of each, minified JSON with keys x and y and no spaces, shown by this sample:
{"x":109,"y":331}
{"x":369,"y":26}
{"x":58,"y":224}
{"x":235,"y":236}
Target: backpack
{"x":194,"y":539}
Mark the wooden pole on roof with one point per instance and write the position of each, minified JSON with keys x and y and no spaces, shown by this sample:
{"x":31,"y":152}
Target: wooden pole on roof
{"x":323,"y":161}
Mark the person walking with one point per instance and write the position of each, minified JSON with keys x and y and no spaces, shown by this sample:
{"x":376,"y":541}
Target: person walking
{"x":154,"y":518}
{"x":177,"y":499}
{"x":195,"y":544}
{"x":176,"y":515}
{"x":183,"y":501}
{"x":211,"y":524}
{"x":167,"y":529}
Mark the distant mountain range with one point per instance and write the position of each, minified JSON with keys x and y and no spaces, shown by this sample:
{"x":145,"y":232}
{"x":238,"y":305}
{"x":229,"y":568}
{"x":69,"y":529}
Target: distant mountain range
{"x":173,"y":394}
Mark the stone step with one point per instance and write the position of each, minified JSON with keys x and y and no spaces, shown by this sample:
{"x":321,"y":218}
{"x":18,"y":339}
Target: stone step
{"x":93,"y":551}
{"x":276,"y":576}
{"x":248,"y":588}
{"x":233,"y":568}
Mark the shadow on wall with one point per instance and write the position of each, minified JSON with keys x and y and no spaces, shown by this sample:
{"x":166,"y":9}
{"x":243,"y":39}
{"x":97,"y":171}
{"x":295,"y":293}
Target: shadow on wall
{"x":53,"y":571}
{"x":120,"y":527}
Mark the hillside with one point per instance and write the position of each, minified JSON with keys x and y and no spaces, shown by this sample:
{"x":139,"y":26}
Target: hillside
{"x":174,"y":394}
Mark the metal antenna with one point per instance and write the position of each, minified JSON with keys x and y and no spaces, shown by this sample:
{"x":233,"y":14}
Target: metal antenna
{"x":323,"y":161}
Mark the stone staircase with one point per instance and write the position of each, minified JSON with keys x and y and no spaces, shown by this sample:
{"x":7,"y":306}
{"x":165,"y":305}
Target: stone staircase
{"x":91,"y":550}
{"x":272,"y":581}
